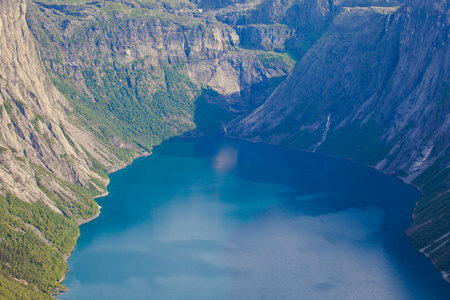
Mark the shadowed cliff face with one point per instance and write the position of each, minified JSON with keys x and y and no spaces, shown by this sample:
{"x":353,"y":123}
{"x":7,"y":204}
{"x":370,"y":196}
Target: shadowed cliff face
{"x":142,"y":60}
{"x":375,"y":88}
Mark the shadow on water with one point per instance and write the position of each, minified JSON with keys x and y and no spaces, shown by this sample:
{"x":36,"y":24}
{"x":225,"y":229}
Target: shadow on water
{"x":187,"y":181}
{"x":318,"y":186}
{"x":323,"y":185}
{"x":312,"y":175}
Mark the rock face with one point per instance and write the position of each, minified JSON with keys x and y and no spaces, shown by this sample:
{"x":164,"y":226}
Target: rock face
{"x":263,"y":36}
{"x":375,"y":88}
{"x":36,"y":137}
{"x":50,"y":167}
{"x":177,"y":36}
{"x":215,"y":4}
{"x":127,"y":56}
{"x":372,"y":85}
{"x":278,"y":25}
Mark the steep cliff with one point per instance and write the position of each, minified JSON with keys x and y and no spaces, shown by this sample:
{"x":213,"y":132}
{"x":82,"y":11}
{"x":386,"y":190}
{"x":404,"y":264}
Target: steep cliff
{"x":86,"y":85}
{"x":145,"y":60}
{"x":215,"y":4}
{"x":375,"y":88}
{"x":50,"y":169}
{"x":128,"y":74}
{"x":281,"y":25}
{"x":36,"y":130}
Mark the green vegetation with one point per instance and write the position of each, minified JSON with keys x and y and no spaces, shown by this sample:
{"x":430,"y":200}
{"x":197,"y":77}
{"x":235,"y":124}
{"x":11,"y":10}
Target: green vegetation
{"x":67,"y":136}
{"x":20,"y":104}
{"x":112,"y":8}
{"x":21,"y":159}
{"x":8,"y":108}
{"x":23,"y":255}
{"x":275,"y":59}
{"x":48,"y":138}
{"x":59,"y":230}
{"x":432,"y":213}
{"x":209,"y":114}
{"x":97,"y":167}
{"x":86,"y":206}
{"x":33,"y":238}
{"x":35,"y":125}
{"x":298,"y":50}
{"x":39,"y":117}
{"x":83,"y":207}
{"x":13,"y":150}
{"x":124,"y":108}
{"x":11,"y":289}
{"x":359,"y":142}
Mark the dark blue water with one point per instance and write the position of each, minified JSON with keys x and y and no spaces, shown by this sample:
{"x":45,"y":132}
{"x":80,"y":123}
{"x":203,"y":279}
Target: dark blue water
{"x":214,"y":218}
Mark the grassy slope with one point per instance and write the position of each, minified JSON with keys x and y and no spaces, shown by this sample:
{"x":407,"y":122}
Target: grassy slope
{"x":432,"y":214}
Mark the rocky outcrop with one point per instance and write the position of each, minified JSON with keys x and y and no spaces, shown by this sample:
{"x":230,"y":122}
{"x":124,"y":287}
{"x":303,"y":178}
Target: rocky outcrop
{"x":195,"y":41}
{"x":375,"y":88}
{"x":215,"y":4}
{"x":127,"y":56}
{"x":279,"y":25}
{"x":265,"y":37}
{"x":36,"y":137}
{"x":51,"y":167}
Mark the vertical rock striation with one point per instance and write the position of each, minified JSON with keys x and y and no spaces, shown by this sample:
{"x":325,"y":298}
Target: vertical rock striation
{"x":379,"y":77}
{"x":35,"y":133}
{"x":50,"y":168}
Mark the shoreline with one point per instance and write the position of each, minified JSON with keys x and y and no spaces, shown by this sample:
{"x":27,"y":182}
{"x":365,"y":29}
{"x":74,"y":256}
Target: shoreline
{"x":445,"y":276}
{"x":331,"y":155}
{"x":84,"y":221}
{"x":97,"y":214}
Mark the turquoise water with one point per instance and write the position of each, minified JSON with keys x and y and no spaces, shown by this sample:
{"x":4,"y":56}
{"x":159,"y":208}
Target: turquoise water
{"x":214,"y":218}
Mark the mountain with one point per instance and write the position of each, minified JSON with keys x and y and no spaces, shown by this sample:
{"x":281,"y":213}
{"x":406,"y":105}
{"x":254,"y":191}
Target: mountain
{"x":50,"y":168}
{"x":123,"y":63}
{"x":374,"y":88}
{"x":86,"y":86}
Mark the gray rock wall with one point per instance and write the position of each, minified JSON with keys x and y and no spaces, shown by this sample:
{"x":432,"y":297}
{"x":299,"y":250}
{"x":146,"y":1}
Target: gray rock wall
{"x":375,"y":89}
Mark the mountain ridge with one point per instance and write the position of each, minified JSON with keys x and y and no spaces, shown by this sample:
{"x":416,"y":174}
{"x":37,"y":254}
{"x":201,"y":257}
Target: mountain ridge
{"x":87,"y":86}
{"x":386,"y":104}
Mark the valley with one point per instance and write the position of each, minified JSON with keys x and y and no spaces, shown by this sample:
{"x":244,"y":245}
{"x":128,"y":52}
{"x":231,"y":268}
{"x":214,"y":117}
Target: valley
{"x":87,"y":86}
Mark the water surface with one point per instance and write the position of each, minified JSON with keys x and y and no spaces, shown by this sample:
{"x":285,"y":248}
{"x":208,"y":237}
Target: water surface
{"x":214,"y":218}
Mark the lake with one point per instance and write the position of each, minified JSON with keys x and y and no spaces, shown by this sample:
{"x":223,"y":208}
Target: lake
{"x":217,"y":218}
